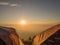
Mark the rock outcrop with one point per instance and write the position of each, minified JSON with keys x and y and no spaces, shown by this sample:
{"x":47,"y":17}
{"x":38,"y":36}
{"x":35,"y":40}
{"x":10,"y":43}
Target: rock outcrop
{"x":8,"y":36}
{"x":52,"y":35}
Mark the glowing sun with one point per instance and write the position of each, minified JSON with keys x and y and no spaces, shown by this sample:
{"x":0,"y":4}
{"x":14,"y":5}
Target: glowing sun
{"x":23,"y":22}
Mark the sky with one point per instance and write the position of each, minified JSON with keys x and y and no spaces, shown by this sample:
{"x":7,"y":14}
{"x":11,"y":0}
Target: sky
{"x":12,"y":11}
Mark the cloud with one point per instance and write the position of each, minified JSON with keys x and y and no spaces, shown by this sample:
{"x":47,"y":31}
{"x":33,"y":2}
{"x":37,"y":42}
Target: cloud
{"x":8,"y":4}
{"x":13,"y":5}
{"x":4,"y":3}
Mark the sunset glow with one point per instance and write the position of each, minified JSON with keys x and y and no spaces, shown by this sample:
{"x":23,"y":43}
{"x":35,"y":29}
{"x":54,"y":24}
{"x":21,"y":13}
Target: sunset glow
{"x":22,"y":22}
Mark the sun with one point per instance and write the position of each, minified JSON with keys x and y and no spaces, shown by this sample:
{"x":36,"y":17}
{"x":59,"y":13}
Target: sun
{"x":22,"y":22}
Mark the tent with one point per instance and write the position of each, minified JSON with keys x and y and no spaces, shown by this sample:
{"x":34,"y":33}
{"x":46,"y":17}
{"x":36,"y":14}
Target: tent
{"x":46,"y":37}
{"x":8,"y":36}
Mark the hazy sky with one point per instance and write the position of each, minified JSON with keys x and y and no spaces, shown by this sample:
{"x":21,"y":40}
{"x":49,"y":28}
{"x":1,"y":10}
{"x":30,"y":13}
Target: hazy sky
{"x":13,"y":11}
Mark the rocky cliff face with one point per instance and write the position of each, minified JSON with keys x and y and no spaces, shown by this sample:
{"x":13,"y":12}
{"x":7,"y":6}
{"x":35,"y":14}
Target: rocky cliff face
{"x":44,"y":37}
{"x":53,"y":39}
{"x":8,"y":36}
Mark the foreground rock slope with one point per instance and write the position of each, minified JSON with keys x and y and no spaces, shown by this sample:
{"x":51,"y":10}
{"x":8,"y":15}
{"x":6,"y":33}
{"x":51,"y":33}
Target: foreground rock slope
{"x":49,"y":37}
